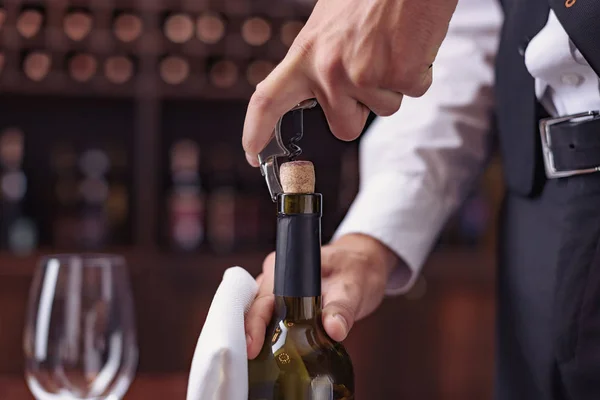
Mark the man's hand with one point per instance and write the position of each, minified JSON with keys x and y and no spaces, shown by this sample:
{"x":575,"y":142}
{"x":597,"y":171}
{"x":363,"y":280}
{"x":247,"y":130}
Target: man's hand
{"x":355,"y":269}
{"x":352,"y":56}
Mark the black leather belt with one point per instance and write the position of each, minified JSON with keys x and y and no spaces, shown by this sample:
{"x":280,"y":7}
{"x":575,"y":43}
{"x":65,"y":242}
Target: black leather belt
{"x":571,"y":144}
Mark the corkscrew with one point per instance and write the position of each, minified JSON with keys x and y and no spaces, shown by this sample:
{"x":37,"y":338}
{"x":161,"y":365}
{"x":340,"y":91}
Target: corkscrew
{"x":275,"y":149}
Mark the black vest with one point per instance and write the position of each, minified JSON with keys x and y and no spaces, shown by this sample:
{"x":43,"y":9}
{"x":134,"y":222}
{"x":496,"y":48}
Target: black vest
{"x":517,"y":109}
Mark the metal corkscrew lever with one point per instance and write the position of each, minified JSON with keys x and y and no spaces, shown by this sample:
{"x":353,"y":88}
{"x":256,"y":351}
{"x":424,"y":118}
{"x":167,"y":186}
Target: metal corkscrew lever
{"x":275,"y":149}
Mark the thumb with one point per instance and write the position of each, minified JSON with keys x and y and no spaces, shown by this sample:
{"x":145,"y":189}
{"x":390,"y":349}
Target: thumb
{"x":282,"y":90}
{"x":341,"y":299}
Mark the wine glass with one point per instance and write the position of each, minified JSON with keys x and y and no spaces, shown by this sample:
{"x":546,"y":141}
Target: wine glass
{"x":80,"y":336}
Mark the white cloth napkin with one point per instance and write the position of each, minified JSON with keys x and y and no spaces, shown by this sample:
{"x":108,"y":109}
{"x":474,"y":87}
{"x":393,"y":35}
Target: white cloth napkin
{"x":220,"y":365}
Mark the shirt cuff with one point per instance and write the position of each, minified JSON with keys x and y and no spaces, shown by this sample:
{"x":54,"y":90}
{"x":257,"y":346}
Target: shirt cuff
{"x":404,"y":214}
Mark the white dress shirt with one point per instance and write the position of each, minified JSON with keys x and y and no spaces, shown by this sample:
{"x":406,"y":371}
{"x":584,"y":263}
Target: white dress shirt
{"x":417,"y":166}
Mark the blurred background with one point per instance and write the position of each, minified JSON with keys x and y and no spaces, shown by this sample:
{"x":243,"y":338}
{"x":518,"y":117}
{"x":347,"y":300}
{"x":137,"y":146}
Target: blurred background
{"x":120,"y":127}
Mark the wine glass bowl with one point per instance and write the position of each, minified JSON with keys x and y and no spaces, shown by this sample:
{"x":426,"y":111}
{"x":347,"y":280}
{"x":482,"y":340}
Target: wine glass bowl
{"x":80,"y":335}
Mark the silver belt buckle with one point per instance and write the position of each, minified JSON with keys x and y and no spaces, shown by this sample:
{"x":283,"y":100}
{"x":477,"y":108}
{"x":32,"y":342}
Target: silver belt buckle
{"x":545,"y":124}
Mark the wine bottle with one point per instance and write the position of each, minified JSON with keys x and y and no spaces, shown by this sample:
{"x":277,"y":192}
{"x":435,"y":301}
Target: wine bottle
{"x":37,"y":65}
{"x":127,"y":26}
{"x":77,"y":24}
{"x":174,"y":70}
{"x":94,"y":165}
{"x":119,"y":69}
{"x":210,"y":28}
{"x":186,"y":202}
{"x":298,"y":360}
{"x":82,"y":67}
{"x":118,"y":201}
{"x":30,"y":21}
{"x":18,"y":232}
{"x":256,"y":31}
{"x":65,"y":229}
{"x":223,"y":74}
{"x":178,"y":28}
{"x":221,"y":222}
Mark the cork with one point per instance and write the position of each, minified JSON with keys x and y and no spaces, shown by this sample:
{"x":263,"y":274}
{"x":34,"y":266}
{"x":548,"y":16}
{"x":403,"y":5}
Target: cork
{"x":297,"y":177}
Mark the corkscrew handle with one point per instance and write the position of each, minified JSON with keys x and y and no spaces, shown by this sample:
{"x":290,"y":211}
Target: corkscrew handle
{"x":275,"y":149}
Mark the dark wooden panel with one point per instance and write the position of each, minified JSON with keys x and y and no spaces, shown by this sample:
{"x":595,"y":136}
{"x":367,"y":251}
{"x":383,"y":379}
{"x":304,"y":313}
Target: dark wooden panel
{"x":13,"y":302}
{"x":465,"y":320}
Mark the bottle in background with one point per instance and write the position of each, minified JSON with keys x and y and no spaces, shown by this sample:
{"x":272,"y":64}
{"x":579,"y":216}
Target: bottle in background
{"x":36,"y":65}
{"x":222,"y":199}
{"x":210,"y":28}
{"x":186,"y":203}
{"x":63,"y":158}
{"x":119,"y":69}
{"x":178,"y":27}
{"x":117,"y":204}
{"x":82,"y":67}
{"x":127,"y":26}
{"x":256,"y":31}
{"x":77,"y":24}
{"x":174,"y":70}
{"x":94,"y":166}
{"x":223,"y":73}
{"x":30,"y":21}
{"x":18,"y":232}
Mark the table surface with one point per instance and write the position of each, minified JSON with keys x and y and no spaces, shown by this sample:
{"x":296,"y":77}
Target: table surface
{"x":144,"y":387}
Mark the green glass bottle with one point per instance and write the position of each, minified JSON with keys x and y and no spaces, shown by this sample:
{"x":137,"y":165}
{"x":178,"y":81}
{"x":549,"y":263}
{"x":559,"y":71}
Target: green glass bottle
{"x":298,"y":360}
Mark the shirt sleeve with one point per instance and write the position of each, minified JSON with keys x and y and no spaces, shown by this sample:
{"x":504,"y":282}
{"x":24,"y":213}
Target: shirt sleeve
{"x":417,"y":165}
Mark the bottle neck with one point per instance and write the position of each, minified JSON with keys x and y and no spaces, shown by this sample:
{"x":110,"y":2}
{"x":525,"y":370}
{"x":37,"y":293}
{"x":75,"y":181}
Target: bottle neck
{"x":298,"y":246}
{"x":298,"y":308}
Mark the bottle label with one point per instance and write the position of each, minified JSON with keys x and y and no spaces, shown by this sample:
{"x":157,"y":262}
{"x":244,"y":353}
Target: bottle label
{"x":298,"y":256}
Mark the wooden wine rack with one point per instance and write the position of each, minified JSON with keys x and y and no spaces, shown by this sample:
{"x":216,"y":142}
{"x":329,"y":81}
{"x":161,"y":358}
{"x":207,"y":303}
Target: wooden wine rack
{"x":146,"y":51}
{"x":146,"y":90}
